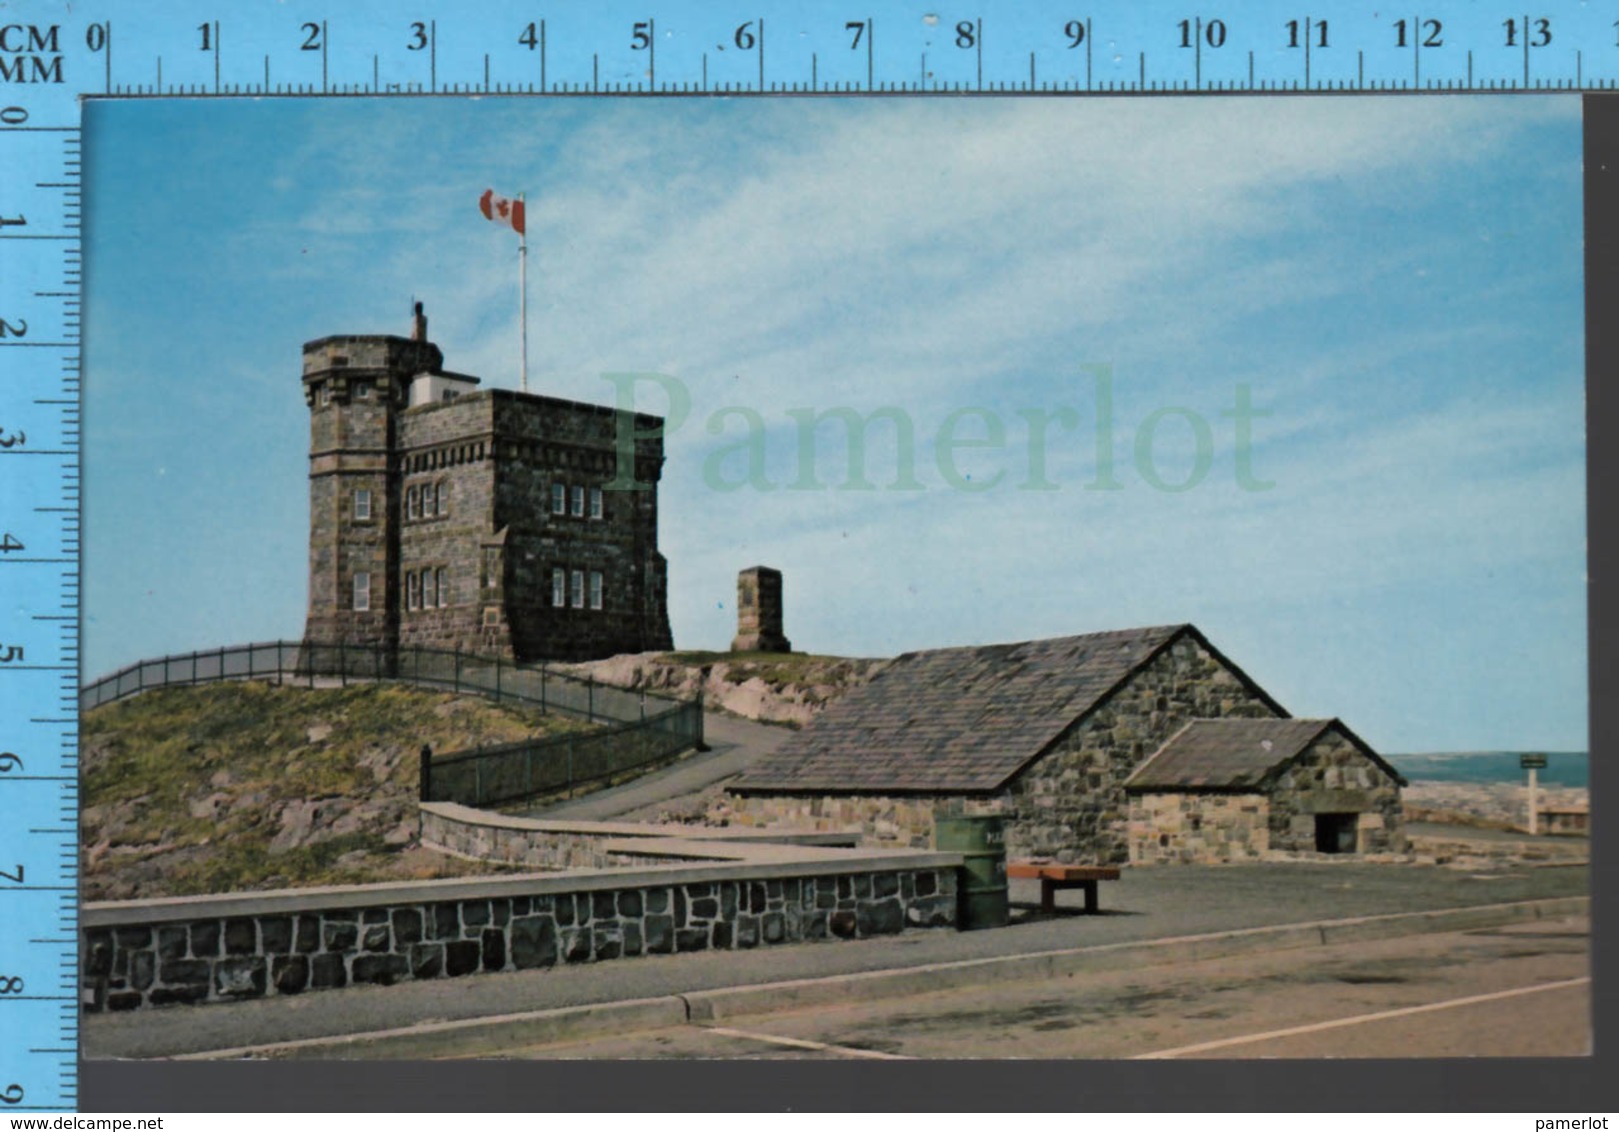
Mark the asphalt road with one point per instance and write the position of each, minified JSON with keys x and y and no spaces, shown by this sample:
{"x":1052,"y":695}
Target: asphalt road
{"x":1517,"y":991}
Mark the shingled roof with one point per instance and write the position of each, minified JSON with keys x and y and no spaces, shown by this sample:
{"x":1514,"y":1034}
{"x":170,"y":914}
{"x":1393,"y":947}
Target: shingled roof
{"x":960,"y":720}
{"x":1235,"y":754}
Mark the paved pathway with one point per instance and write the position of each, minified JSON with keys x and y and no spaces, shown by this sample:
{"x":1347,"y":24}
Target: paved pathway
{"x":735,"y":744}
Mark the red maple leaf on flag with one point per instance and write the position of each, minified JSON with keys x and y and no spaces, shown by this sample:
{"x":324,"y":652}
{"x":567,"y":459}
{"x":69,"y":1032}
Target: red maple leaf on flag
{"x":502,"y":210}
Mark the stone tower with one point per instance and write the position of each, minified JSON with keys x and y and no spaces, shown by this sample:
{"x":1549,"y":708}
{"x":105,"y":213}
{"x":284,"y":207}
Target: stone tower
{"x":758,"y":612}
{"x":486,"y":521}
{"x":355,"y":387}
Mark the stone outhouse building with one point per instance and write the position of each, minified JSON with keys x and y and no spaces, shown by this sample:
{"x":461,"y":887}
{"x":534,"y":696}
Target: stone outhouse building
{"x":444,"y":515}
{"x":1242,"y":789}
{"x":1047,"y":733}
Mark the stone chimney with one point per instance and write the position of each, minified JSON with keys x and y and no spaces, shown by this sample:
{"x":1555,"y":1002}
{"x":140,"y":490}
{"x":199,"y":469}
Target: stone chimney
{"x":758,"y":612}
{"x":418,"y":325}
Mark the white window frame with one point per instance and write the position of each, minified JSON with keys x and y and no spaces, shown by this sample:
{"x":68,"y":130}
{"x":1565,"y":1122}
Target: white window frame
{"x":413,"y":591}
{"x":443,"y":493}
{"x":576,"y":586}
{"x":412,"y":502}
{"x":362,"y":391}
{"x":559,"y":499}
{"x":559,"y":588}
{"x":578,"y":499}
{"x":362,"y":591}
{"x":429,"y":501}
{"x":441,"y":582}
{"x":596,"y":503}
{"x":429,"y":596}
{"x":596,"y":589}
{"x":362,"y":505}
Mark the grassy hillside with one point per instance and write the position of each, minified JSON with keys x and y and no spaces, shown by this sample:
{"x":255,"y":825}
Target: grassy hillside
{"x":236,"y":786}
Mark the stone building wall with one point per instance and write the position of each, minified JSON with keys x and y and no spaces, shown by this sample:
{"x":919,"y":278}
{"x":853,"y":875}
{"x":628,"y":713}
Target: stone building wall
{"x":897,"y":821}
{"x":289,"y":943}
{"x":1185,"y":828}
{"x":1333,"y":776}
{"x":1070,"y":804}
{"x":548,"y":442}
{"x":498,"y":454}
{"x":352,"y":385}
{"x":449,"y":444}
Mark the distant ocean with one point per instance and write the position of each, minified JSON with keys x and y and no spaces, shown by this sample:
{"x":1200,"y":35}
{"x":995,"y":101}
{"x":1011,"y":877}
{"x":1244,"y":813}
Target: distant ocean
{"x":1563,"y":768}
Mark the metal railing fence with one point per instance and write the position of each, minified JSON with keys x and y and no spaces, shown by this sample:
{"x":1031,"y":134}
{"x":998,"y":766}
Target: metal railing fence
{"x":646,"y":727}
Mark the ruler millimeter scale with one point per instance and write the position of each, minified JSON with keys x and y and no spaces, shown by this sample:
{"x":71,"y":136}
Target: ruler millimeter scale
{"x":52,"y":55}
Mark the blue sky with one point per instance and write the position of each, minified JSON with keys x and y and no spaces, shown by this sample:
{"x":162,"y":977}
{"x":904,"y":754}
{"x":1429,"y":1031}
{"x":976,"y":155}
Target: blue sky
{"x":1397,"y":285}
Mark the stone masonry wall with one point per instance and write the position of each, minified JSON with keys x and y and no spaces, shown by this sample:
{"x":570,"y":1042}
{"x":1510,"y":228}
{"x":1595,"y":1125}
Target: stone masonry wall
{"x":546,"y":443}
{"x":290,"y":950}
{"x":449,"y":444}
{"x":1070,"y":804}
{"x":1333,"y":776}
{"x":498,"y":454}
{"x":900,"y":821}
{"x":518,"y":846}
{"x":1198,"y":828}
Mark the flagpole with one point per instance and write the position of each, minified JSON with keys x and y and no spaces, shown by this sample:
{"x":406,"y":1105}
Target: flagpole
{"x":522,"y":287}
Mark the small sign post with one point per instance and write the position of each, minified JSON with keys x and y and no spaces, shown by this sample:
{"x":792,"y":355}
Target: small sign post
{"x":1533,"y":764}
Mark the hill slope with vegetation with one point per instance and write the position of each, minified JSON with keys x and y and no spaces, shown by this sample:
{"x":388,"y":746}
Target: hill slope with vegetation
{"x":246,"y":785}
{"x":789,"y":688}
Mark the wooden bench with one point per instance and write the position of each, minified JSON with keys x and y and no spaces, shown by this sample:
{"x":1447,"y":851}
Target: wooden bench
{"x":1053,"y":876}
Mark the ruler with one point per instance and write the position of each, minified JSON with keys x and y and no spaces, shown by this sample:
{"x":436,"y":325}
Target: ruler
{"x":52,"y":54}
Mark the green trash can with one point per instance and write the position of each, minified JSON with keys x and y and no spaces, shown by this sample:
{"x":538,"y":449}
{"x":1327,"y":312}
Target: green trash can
{"x":981,"y":894}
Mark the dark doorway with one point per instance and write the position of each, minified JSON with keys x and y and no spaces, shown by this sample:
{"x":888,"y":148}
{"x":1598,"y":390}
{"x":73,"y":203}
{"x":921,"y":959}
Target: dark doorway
{"x":1335,"y":833}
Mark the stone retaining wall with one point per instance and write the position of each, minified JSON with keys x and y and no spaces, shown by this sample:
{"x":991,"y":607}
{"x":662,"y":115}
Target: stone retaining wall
{"x":482,"y":835}
{"x":227,"y":948}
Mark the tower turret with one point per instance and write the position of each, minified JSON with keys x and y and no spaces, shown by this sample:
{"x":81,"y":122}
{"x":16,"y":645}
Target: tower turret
{"x":355,"y":385}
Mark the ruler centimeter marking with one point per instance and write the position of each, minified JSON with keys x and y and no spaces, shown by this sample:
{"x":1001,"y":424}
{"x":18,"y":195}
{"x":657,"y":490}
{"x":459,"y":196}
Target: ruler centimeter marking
{"x":52,"y":54}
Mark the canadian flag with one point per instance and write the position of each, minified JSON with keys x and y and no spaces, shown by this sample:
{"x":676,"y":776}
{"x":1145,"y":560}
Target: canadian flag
{"x":501,"y":210}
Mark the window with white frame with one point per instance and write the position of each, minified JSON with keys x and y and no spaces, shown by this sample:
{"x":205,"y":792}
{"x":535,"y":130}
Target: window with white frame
{"x":429,"y":592}
{"x":443,"y":497}
{"x":578,"y":502}
{"x":362,"y":505}
{"x":595,"y":503}
{"x":362,"y":390}
{"x":442,"y":584}
{"x":595,"y":589}
{"x":413,"y":591}
{"x":559,"y":499}
{"x":559,"y":585}
{"x":413,"y":503}
{"x":428,"y":496}
{"x":578,"y":589}
{"x":362,"y":591}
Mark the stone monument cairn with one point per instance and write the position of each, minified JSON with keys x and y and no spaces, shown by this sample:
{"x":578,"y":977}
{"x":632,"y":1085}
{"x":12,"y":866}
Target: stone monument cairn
{"x":758,"y":612}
